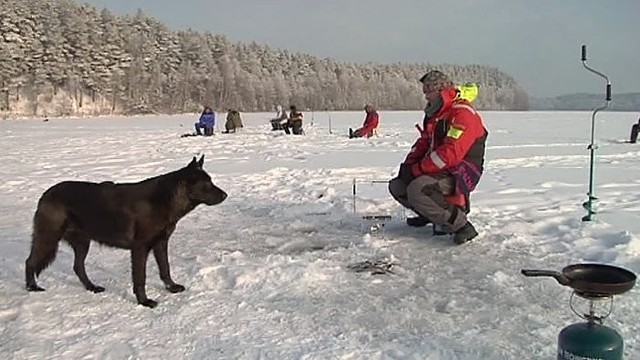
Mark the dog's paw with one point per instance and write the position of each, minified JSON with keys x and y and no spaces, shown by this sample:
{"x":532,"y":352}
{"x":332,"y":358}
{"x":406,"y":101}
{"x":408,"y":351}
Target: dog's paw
{"x":96,"y":289}
{"x":175,"y":288}
{"x":148,"y":303}
{"x":34,"y":288}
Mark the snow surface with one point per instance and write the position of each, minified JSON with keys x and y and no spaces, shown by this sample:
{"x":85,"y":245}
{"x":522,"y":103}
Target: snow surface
{"x":266,"y":271}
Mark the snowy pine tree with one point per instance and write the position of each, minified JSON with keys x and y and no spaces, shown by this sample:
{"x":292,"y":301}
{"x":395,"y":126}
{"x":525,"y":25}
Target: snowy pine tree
{"x":68,"y":58}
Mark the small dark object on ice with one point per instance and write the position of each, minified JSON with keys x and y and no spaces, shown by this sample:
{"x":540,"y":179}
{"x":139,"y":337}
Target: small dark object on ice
{"x":377,"y":267}
{"x":376,"y":217}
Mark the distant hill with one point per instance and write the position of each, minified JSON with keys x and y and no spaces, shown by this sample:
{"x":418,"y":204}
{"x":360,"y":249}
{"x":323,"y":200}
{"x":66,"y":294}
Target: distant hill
{"x":583,"y":101}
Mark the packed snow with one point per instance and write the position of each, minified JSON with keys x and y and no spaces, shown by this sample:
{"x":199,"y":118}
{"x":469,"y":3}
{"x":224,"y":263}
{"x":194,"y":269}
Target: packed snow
{"x":267,"y":271}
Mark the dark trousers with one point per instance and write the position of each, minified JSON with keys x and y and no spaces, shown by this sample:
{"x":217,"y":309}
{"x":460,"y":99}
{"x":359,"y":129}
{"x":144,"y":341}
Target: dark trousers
{"x":635,"y":129}
{"x":295,"y":126}
{"x":276,"y":124}
{"x":208,"y":131}
{"x":229,"y":127}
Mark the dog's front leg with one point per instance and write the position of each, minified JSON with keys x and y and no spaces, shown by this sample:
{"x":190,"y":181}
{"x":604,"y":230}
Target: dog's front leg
{"x":139,"y":255}
{"x":160,"y":252}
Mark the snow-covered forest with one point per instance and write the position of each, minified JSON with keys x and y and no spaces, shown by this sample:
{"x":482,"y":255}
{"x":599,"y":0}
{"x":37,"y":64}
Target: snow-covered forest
{"x":60,"y":57}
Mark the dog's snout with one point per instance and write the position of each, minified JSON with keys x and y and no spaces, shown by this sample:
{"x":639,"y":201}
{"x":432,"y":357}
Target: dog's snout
{"x":224,"y":195}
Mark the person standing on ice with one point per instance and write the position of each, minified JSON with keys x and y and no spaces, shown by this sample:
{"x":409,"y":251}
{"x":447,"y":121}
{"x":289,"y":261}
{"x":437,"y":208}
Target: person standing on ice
{"x":445,"y":163}
{"x":370,"y":124}
{"x":635,"y":129}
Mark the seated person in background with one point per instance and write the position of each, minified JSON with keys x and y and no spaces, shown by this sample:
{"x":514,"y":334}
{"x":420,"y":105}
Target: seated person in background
{"x":207,"y":121}
{"x":370,"y":124}
{"x":234,"y":122}
{"x":279,"y":120}
{"x":294,"y":122}
{"x":635,"y":129}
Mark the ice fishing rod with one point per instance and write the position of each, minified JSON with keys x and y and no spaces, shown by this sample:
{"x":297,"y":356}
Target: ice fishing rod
{"x":588,"y":205}
{"x":354,"y":187}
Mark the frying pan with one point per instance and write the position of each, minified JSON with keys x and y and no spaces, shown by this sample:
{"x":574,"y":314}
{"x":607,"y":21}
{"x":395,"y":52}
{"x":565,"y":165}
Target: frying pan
{"x":591,"y":280}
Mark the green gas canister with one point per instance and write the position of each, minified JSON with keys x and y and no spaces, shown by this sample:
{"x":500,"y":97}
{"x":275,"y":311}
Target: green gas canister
{"x":589,"y":341}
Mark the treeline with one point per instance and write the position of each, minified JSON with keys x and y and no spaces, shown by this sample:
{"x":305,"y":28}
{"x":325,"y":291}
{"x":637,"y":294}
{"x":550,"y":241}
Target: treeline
{"x":62,"y":58}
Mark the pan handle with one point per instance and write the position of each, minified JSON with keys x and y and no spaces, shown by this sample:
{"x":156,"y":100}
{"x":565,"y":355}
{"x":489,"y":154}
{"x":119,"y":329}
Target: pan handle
{"x":561,"y":279}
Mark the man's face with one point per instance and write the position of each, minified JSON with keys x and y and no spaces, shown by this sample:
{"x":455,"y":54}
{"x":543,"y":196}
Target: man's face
{"x":429,"y":95}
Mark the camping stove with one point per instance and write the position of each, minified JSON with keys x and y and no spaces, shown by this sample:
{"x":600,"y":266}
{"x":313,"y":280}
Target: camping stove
{"x":594,"y":286}
{"x":591,"y":339}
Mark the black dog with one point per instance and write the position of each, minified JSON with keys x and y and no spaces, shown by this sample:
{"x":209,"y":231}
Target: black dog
{"x":136,"y":216}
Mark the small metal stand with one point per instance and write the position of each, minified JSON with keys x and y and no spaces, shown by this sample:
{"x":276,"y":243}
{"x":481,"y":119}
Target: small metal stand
{"x":377,"y":265}
{"x":591,"y":315}
{"x":377,"y":220}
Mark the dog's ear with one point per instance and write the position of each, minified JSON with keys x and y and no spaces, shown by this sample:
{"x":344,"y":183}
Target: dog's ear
{"x":201,"y":161}
{"x":193,"y":162}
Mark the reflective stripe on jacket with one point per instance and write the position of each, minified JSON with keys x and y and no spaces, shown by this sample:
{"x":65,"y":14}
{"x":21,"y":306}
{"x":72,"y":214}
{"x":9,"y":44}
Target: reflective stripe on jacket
{"x":454,"y":134}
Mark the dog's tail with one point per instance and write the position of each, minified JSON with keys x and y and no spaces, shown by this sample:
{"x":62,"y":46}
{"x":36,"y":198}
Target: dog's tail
{"x":49,"y":224}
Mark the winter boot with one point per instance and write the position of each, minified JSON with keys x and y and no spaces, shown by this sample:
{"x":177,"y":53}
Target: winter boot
{"x":418,"y":221}
{"x":464,"y":234}
{"x":350,"y":133}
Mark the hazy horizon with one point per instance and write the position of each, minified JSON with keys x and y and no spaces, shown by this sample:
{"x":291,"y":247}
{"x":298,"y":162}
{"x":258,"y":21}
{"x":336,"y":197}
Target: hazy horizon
{"x":538,"y":43}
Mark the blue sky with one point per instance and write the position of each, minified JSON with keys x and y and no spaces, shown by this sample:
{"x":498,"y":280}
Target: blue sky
{"x":537,"y":42}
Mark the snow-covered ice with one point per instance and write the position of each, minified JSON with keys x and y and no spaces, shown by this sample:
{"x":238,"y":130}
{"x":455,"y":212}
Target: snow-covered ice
{"x":266,"y":271}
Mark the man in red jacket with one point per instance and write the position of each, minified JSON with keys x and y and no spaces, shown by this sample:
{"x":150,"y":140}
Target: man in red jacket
{"x":445,"y":163}
{"x":370,"y":124}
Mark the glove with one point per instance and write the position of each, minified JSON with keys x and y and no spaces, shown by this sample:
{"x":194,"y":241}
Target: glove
{"x":405,"y":174}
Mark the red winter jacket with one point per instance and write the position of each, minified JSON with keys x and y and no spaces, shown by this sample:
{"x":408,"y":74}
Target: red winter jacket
{"x":454,"y":134}
{"x":370,"y":123}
